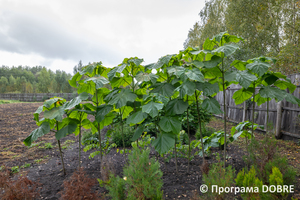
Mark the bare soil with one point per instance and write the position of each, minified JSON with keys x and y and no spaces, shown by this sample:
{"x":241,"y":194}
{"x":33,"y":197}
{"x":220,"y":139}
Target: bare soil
{"x":16,"y":123}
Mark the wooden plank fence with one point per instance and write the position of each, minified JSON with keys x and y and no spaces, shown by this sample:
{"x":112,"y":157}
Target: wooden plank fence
{"x":36,"y":97}
{"x":289,"y":118}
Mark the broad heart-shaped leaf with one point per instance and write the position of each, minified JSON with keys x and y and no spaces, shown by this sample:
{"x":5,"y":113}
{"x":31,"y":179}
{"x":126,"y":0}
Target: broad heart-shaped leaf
{"x":291,"y":98}
{"x":209,"y":44}
{"x":208,"y":88}
{"x":242,"y":95}
{"x":230,"y":76}
{"x":258,"y":67}
{"x":55,"y":113}
{"x":176,"y":107}
{"x":42,"y":130}
{"x":245,"y":78}
{"x":162,"y":61}
{"x":259,"y":100}
{"x":152,"y":108}
{"x":272,"y":92}
{"x":213,"y":62}
{"x":120,"y":99}
{"x":227,"y":49}
{"x":176,"y":70}
{"x":238,"y":64}
{"x":115,"y":70}
{"x":164,"y":142}
{"x":211,"y":105}
{"x":88,"y":87}
{"x":136,"y":118}
{"x":186,"y":88}
{"x":198,"y":63}
{"x":37,"y":113}
{"x":121,"y":81}
{"x":138,"y":132}
{"x":106,"y":121}
{"x":270,"y":79}
{"x":126,"y":110}
{"x":68,"y":129}
{"x":145,"y":77}
{"x":165,"y":89}
{"x":195,"y":75}
{"x":170,"y":124}
{"x":75,"y":78}
{"x":99,"y":81}
{"x":284,"y":85}
{"x":102,"y":111}
{"x":77,"y":100}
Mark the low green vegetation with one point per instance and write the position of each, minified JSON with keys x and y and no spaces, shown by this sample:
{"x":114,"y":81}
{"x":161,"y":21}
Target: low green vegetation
{"x":9,"y":101}
{"x":26,"y":165}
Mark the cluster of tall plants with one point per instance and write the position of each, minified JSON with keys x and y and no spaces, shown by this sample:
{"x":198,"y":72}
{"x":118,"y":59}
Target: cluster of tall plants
{"x":158,"y":93}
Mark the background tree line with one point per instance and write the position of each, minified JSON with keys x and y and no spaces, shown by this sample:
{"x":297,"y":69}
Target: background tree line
{"x":36,"y":79}
{"x":269,"y":27}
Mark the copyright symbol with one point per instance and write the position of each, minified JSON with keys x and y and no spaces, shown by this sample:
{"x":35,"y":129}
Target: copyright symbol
{"x":203,"y":188}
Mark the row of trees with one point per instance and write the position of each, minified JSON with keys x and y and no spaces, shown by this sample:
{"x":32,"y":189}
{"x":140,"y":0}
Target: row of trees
{"x":269,"y":27}
{"x":33,"y":80}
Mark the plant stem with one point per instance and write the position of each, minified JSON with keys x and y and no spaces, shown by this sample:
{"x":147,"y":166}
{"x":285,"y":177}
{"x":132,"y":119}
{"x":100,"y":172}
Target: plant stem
{"x":99,"y":131}
{"x":267,"y":116}
{"x":224,"y":107}
{"x":61,"y":156}
{"x":187,"y":120}
{"x":176,"y":166}
{"x":199,"y":121}
{"x":253,"y":106}
{"x":123,"y":138}
{"x":80,"y":142}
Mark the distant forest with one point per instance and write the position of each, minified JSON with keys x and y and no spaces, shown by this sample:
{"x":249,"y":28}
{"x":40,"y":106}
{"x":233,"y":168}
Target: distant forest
{"x":38,"y":79}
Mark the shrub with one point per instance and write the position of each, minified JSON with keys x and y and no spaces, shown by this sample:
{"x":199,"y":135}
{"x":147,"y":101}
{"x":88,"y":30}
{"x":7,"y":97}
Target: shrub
{"x":219,"y":176}
{"x":206,"y":131}
{"x":78,"y":187}
{"x":19,"y":189}
{"x":142,"y":178}
{"x":117,"y":135}
{"x":89,"y":138}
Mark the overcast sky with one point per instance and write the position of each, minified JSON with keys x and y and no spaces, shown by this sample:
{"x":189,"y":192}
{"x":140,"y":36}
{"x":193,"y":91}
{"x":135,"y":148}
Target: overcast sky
{"x":58,"y":33}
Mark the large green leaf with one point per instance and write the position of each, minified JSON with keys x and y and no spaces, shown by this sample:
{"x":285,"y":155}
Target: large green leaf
{"x":126,"y":110}
{"x":107,"y":120}
{"x":138,"y":132}
{"x":213,"y":62}
{"x":227,"y":49}
{"x":245,"y":78}
{"x":75,"y":78}
{"x":136,"y":118}
{"x":99,"y":81}
{"x":209,"y":44}
{"x":117,"y":82}
{"x":198,"y":63}
{"x":37,"y":113}
{"x":120,"y":99}
{"x":176,"y":107}
{"x":272,"y":92}
{"x":115,"y":70}
{"x":152,"y":108}
{"x":186,"y":88}
{"x":259,"y":100}
{"x":208,"y":88}
{"x":68,"y":129}
{"x":291,"y":98}
{"x":230,"y":76}
{"x":39,"y":132}
{"x":195,"y":75}
{"x":88,"y":87}
{"x":284,"y":85}
{"x":170,"y":124}
{"x":238,"y":64}
{"x":176,"y":70}
{"x":77,"y":100}
{"x":55,"y":113}
{"x":258,"y":67}
{"x":242,"y":95}
{"x":145,"y":77}
{"x":165,"y":89}
{"x":211,"y":105}
{"x":102,"y":111}
{"x":164,"y":142}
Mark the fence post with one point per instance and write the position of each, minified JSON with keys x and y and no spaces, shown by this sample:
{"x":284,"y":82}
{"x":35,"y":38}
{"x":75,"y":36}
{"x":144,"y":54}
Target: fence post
{"x":278,"y":120}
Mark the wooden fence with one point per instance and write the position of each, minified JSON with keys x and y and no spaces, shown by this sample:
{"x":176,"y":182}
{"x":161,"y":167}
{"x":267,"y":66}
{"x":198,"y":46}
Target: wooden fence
{"x":288,"y":121}
{"x":36,"y":97}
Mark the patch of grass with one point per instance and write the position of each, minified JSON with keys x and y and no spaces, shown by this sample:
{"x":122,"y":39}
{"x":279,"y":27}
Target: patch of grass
{"x":35,"y":144}
{"x":47,"y":145}
{"x":26,"y":165}
{"x":67,"y":144}
{"x":9,"y":101}
{"x":38,"y":160}
{"x":15,"y":169}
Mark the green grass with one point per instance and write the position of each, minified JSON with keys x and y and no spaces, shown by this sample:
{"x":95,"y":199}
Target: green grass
{"x":26,"y":165}
{"x":9,"y":101}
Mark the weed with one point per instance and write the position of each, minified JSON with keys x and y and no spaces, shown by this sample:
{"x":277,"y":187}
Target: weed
{"x":26,"y":165}
{"x":46,"y":146}
{"x":15,"y":169}
{"x":67,"y":144}
{"x":38,"y":160}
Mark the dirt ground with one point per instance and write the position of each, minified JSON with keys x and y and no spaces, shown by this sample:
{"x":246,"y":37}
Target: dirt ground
{"x":16,"y":123}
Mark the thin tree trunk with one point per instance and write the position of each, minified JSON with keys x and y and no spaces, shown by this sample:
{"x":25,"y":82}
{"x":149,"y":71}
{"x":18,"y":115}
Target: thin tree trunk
{"x":61,"y":156}
{"x":199,"y":121}
{"x":99,"y":132}
{"x":80,"y":143}
{"x":176,"y":166}
{"x":224,"y":107}
{"x":123,"y":138}
{"x":187,"y":120}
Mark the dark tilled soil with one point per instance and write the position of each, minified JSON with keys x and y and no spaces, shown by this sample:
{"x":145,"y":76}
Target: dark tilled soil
{"x":16,"y":124}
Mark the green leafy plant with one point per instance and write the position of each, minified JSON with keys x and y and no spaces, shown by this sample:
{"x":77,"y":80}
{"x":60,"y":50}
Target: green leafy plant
{"x":217,"y":175}
{"x":15,"y":169}
{"x":26,"y":165}
{"x":38,"y":160}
